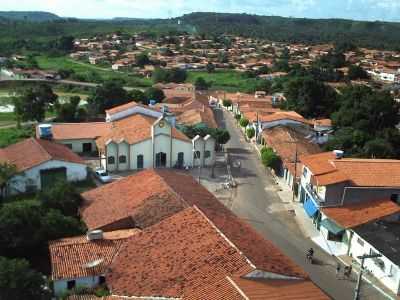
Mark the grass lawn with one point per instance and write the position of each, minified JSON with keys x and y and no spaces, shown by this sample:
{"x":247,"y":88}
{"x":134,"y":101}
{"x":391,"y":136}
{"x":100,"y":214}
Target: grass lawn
{"x":10,"y":136}
{"x":83,"y":69}
{"x":228,"y":80}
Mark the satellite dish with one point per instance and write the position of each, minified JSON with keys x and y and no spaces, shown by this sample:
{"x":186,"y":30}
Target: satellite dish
{"x":93,"y":264}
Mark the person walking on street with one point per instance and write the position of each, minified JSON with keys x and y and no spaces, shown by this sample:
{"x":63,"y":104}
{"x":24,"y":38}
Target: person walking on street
{"x":338,"y":267}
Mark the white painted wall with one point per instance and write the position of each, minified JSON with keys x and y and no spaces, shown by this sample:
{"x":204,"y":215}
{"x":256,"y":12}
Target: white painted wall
{"x":389,"y":276}
{"x":60,"y":286}
{"x":18,"y":184}
{"x":162,"y":143}
{"x":144,"y":148}
{"x":123,"y":150}
{"x":77,"y":145}
{"x":186,"y":148}
{"x":112,"y":151}
{"x":209,"y":145}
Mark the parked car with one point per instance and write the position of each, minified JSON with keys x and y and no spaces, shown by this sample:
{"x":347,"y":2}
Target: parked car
{"x":102,"y":175}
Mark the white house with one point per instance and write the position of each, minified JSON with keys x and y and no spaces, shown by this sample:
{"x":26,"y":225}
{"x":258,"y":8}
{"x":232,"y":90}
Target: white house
{"x":83,"y":261}
{"x":40,"y":163}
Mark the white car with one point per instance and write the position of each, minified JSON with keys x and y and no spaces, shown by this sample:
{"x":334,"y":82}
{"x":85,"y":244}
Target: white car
{"x":102,"y":175}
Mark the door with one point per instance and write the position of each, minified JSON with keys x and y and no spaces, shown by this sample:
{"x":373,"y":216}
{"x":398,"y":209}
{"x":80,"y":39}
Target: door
{"x":49,"y":177}
{"x":161,"y":160}
{"x":140,"y":161}
{"x":87,"y":147}
{"x":181,"y":159}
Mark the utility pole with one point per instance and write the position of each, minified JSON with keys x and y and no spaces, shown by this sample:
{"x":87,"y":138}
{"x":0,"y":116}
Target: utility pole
{"x":358,"y":286}
{"x":295,"y":172}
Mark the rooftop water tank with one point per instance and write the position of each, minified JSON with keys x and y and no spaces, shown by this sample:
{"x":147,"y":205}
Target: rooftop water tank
{"x":45,"y":131}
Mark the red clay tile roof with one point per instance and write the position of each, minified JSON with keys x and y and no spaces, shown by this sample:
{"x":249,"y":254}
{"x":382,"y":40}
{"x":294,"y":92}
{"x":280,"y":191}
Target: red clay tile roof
{"x":76,"y":131}
{"x":126,"y":106}
{"x":284,"y":115}
{"x":196,"y":116}
{"x":239,"y":288}
{"x":285,"y":141}
{"x":144,"y":197}
{"x":33,"y":152}
{"x":133,"y":195}
{"x":70,"y":255}
{"x":353,"y":215}
{"x":323,"y":122}
{"x":326,"y":169}
{"x":174,"y":257}
{"x":133,"y":129}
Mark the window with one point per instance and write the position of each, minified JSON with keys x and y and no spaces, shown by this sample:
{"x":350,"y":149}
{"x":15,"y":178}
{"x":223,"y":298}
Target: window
{"x":207,"y":154}
{"x":197,"y":155}
{"x":395,"y":198}
{"x":335,"y":237}
{"x":111,"y":160}
{"x":68,"y":146}
{"x":360,"y":242}
{"x":122,"y":159}
{"x":71,"y":284}
{"x":102,"y":279}
{"x":87,"y":147}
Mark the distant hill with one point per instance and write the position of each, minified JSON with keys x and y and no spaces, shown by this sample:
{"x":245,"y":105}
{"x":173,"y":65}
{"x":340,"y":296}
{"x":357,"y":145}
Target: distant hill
{"x":32,"y":16}
{"x":369,"y":34}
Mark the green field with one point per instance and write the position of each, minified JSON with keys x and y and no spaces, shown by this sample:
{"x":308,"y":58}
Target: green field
{"x":90,"y":72}
{"x":228,"y":80}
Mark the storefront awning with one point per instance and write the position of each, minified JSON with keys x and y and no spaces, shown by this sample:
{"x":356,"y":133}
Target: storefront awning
{"x":331,"y":226}
{"x":310,"y":208}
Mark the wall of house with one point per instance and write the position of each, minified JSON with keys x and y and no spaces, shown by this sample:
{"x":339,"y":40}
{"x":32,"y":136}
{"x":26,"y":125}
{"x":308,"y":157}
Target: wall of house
{"x":389,"y":275}
{"x":356,"y":194}
{"x":112,"y":149}
{"x":198,"y":145}
{"x":77,"y":145}
{"x":186,"y":148}
{"x":162,"y":143}
{"x":334,"y":194}
{"x":18,"y":184}
{"x":209,"y":145}
{"x":60,"y":286}
{"x":144,"y":148}
{"x":123,"y":150}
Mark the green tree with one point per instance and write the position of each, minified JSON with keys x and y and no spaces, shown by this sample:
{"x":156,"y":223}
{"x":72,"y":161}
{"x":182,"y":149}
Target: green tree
{"x":154,"y":94}
{"x":106,"y":96}
{"x":238,"y":117}
{"x":7,"y":171}
{"x":137,"y":96}
{"x":357,"y":72}
{"x":66,"y":43}
{"x":309,"y":97}
{"x":201,"y":84}
{"x":62,"y":196}
{"x":142,"y":59}
{"x":32,"y":103}
{"x":221,"y":136}
{"x":250,"y":132}
{"x":244,"y":122}
{"x":227,"y":103}
{"x":69,"y":111}
{"x":19,"y":281}
{"x":269,"y":158}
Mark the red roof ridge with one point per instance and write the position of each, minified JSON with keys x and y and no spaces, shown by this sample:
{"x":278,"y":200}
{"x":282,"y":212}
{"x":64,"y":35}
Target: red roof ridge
{"x":225,"y":237}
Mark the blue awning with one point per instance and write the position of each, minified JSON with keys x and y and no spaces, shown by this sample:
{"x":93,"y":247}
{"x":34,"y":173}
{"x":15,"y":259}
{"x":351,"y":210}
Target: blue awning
{"x":310,"y":208}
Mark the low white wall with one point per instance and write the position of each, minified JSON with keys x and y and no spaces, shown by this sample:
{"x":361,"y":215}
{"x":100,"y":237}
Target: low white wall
{"x":60,"y":286}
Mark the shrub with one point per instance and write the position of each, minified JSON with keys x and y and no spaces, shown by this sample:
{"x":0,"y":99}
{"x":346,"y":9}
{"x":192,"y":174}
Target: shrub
{"x":250,"y":132}
{"x":269,"y":158}
{"x":244,"y":122}
{"x":227,"y":103}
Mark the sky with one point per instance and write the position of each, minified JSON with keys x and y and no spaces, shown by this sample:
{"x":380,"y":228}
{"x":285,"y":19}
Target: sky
{"x":388,"y":10}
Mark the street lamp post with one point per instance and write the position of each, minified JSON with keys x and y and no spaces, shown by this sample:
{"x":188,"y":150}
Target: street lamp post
{"x":195,"y":157}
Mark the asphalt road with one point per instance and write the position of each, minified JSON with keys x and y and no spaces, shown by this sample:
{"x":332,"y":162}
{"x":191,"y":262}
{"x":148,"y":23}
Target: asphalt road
{"x":256,"y":201}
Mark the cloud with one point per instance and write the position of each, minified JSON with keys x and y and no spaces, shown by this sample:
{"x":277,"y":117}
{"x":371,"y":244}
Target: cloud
{"x":357,"y":9}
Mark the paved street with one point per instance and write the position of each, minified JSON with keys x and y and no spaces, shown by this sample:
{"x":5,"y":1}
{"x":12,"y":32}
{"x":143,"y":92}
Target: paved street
{"x":256,"y":201}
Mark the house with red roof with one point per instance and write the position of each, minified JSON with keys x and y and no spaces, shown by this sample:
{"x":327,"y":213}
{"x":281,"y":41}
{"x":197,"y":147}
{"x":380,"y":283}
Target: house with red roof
{"x":187,"y":244}
{"x":344,"y":198}
{"x":39,"y":163}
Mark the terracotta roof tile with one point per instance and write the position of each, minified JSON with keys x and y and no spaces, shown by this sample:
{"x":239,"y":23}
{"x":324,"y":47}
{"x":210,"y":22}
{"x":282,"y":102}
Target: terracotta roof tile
{"x":70,"y":255}
{"x":174,"y":257}
{"x":241,"y":288}
{"x":133,"y":129}
{"x":353,"y":215}
{"x":196,"y":116}
{"x":167,"y":192}
{"x":326,"y":169}
{"x":285,"y":141}
{"x":126,"y":106}
{"x":33,"y":152}
{"x":76,"y":131}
